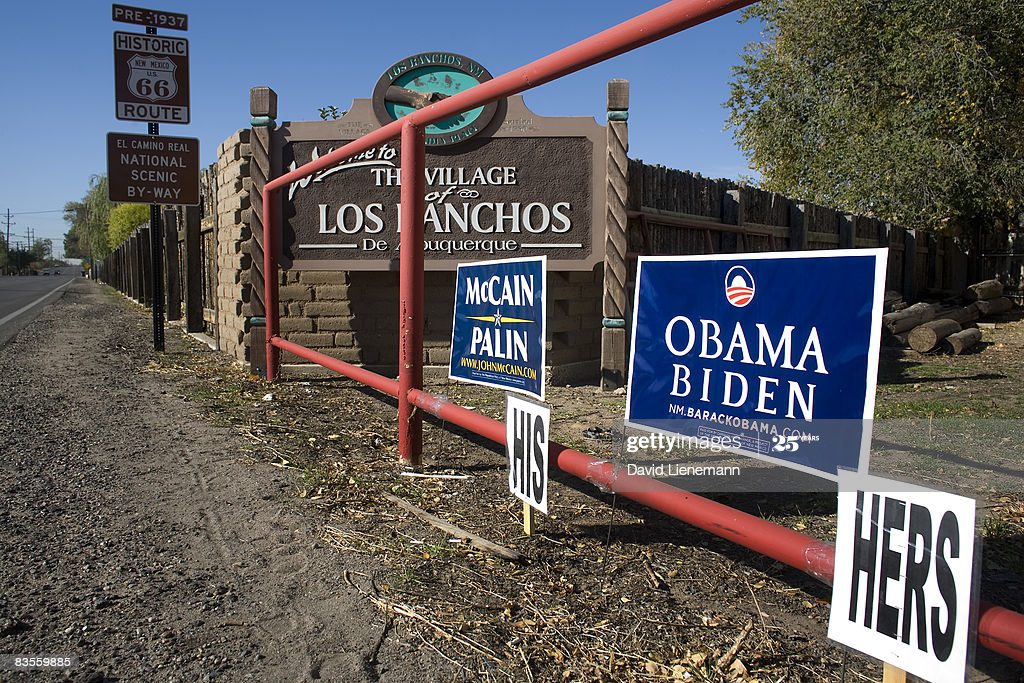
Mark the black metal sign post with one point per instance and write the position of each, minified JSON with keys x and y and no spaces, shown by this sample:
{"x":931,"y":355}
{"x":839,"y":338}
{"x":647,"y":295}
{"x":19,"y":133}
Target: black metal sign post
{"x":157,"y":250}
{"x":157,"y":84}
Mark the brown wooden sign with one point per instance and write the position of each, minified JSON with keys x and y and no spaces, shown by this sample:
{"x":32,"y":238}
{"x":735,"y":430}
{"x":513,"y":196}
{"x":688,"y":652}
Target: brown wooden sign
{"x":534,"y":187}
{"x":153,"y":169}
{"x":149,"y":17}
{"x":151,"y":78}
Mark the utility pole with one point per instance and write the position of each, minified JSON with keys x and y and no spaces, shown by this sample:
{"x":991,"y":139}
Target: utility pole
{"x":7,"y":243}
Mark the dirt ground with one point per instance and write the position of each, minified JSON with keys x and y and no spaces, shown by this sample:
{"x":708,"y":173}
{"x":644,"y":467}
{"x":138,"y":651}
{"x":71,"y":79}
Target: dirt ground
{"x":138,"y":536}
{"x":250,"y":523}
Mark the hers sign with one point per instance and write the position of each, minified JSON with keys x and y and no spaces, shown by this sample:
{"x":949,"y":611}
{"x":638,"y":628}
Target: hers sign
{"x":902,"y":590}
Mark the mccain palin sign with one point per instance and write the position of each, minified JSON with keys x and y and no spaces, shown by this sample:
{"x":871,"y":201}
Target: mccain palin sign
{"x":499,"y":325}
{"x":771,"y":355}
{"x":527,"y":185}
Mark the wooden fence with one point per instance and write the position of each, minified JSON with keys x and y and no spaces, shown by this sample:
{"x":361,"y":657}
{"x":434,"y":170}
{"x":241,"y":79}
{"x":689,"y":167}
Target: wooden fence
{"x":190,"y":262}
{"x":677,"y":212}
{"x":1002,"y":257}
{"x":129,"y":268}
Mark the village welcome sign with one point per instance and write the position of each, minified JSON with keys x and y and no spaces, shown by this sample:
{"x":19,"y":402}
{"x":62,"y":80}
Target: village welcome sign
{"x":772,"y":355}
{"x":525,"y":186}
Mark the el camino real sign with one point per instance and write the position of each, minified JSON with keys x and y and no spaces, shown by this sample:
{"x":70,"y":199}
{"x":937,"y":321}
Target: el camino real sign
{"x":526,"y":186}
{"x":770,"y":355}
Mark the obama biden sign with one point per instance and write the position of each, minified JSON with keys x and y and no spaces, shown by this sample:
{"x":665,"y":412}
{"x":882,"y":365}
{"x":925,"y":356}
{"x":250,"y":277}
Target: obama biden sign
{"x":773,"y":355}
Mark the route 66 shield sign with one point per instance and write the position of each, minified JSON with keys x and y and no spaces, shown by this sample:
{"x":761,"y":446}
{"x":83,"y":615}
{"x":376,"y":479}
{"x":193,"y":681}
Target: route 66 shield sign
{"x":151,"y":77}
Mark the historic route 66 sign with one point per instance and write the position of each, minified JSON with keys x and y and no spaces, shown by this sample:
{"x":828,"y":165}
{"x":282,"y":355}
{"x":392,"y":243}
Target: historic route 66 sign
{"x":151,"y":77}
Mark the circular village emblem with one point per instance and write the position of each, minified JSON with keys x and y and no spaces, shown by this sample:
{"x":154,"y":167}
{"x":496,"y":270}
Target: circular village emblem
{"x":426,"y":78}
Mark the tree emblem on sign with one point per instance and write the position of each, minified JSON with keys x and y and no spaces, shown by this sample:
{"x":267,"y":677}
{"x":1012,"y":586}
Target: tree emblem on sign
{"x":152,"y":78}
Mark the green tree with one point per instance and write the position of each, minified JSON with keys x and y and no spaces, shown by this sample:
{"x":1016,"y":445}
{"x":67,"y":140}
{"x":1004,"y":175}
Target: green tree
{"x":909,"y":111}
{"x":72,"y":245}
{"x":88,"y":220}
{"x":124,"y":218}
{"x":42,"y":249}
{"x":75,"y":241}
{"x":330,"y":113}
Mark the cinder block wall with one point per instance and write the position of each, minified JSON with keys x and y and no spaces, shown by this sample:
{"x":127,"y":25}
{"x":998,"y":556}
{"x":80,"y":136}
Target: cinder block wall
{"x":574,"y":324}
{"x":233,"y":237}
{"x":353,"y":316}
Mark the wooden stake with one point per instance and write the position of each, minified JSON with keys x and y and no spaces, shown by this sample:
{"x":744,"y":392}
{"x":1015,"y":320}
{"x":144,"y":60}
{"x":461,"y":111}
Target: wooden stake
{"x":890,"y":674}
{"x":476,"y":541}
{"x":527,"y":519}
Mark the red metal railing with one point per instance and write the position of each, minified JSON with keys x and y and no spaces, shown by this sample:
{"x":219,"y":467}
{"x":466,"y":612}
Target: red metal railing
{"x":999,"y":629}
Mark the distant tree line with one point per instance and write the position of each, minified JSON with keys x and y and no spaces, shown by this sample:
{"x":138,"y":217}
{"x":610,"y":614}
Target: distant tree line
{"x":23,"y":259}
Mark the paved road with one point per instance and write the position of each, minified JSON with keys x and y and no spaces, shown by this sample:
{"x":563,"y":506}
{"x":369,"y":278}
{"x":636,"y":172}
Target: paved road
{"x":22,"y":298}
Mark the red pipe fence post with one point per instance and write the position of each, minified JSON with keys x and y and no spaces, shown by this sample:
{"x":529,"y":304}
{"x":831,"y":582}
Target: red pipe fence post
{"x":410,"y":354}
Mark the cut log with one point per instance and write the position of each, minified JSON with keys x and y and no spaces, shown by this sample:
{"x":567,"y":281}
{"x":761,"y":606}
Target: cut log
{"x":927,"y":337}
{"x":896,"y":341}
{"x":892,"y":301}
{"x":959,"y":342}
{"x":908,"y":318}
{"x":983,"y":291}
{"x":963,"y":314}
{"x":994,"y":306}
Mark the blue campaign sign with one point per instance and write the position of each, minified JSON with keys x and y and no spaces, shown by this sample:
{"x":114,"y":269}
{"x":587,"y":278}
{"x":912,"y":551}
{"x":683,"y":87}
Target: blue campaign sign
{"x":771,"y":355}
{"x":498,"y":330}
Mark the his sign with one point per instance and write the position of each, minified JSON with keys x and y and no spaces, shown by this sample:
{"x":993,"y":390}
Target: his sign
{"x":499,"y":323}
{"x":770,"y":355}
{"x":527,"y":426}
{"x":151,"y":78}
{"x":904,"y":563}
{"x":153,"y":169}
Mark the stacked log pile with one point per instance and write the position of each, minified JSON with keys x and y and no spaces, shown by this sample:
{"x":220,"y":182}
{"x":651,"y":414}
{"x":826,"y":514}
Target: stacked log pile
{"x":946,"y":326}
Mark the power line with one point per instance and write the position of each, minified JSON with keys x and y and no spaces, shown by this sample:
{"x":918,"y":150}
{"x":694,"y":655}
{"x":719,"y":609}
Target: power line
{"x":27,"y":213}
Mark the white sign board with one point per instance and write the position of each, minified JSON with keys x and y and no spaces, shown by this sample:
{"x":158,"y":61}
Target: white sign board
{"x":527,"y":426}
{"x":902,"y":587}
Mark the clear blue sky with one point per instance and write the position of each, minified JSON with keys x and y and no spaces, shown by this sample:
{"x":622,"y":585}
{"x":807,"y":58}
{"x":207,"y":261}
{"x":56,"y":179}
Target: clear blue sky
{"x":58,"y":90}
